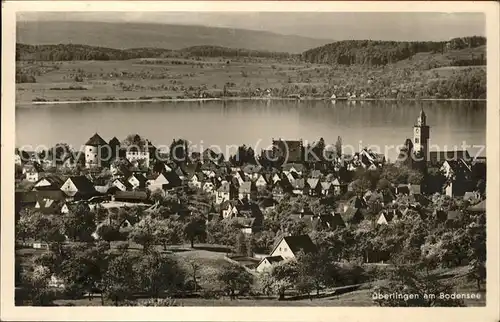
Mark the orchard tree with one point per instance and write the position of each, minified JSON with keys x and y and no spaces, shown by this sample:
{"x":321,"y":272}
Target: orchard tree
{"x":235,"y":278}
{"x":195,"y":228}
{"x":79,"y":224}
{"x":143,"y":233}
{"x":119,"y":280}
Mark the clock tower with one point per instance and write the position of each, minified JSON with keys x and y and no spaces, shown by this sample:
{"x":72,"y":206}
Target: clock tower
{"x":421,"y":136}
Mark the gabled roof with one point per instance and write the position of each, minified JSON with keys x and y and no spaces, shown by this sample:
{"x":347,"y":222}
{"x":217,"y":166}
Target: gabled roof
{"x":297,"y":166}
{"x":82,"y":183}
{"x":96,"y":140}
{"x":55,"y":182}
{"x":299,"y":243}
{"x":313,"y":183}
{"x":114,"y":142}
{"x":325,"y":185}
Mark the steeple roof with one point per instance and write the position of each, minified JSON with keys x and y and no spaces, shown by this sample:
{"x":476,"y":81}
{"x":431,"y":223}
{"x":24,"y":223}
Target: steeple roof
{"x":96,"y":140}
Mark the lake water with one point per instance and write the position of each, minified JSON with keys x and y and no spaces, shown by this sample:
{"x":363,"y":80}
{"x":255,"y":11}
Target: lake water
{"x":254,"y":123}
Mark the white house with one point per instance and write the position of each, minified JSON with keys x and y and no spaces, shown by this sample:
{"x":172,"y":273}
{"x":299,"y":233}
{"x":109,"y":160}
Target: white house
{"x":223,"y":193}
{"x":267,"y":263}
{"x":290,"y":246}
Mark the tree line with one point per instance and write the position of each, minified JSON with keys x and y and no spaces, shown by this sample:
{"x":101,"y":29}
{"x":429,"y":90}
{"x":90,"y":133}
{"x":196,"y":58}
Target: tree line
{"x":378,"y":53}
{"x":73,"y":52}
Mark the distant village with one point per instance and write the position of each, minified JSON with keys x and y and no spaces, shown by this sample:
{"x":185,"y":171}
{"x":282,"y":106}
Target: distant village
{"x":249,"y":187}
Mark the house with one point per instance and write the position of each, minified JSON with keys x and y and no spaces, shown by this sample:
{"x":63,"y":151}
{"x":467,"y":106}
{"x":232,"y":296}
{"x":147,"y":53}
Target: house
{"x":455,"y":168}
{"x":164,"y":181}
{"x":140,"y":151}
{"x":231,"y":208}
{"x":48,"y":206}
{"x":290,"y":246}
{"x":48,"y":183}
{"x":122,"y":185}
{"x":337,"y":187}
{"x":247,"y":190}
{"x":137,"y":181}
{"x":197,"y":180}
{"x":297,"y":168}
{"x":299,"y":187}
{"x":457,"y":188}
{"x":261,"y":181}
{"x":248,"y":225}
{"x":209,"y":186}
{"x":252,"y":172}
{"x":386,"y":216}
{"x":267,"y":263}
{"x":472,"y":197}
{"x":240,"y":177}
{"x":78,"y":187}
{"x":225,"y":192}
{"x":33,"y":171}
{"x":314,"y":187}
{"x":370,"y":160}
{"x":326,"y":188}
{"x":95,"y":151}
{"x":316,"y":174}
{"x":332,"y":220}
{"x":210,"y":156}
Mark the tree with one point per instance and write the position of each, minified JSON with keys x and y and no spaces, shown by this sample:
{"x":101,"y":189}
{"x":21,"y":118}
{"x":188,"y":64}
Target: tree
{"x":37,"y":284}
{"x":281,"y":277}
{"x":168,"y":232}
{"x":143,"y":233}
{"x":235,"y":278}
{"x":194,"y":228}
{"x":241,"y":244}
{"x":316,"y":270}
{"x":79,"y":224}
{"x":157,"y":273}
{"x":338,"y":146}
{"x":194,"y":268}
{"x":118,"y":283}
{"x":404,"y":280}
{"x":179,"y":151}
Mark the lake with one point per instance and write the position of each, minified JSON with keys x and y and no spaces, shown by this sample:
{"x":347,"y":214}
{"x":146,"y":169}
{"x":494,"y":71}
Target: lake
{"x":254,"y":123}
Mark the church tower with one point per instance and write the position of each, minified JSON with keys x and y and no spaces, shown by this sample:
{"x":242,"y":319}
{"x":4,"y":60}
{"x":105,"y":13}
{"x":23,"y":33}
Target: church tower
{"x":421,"y":136}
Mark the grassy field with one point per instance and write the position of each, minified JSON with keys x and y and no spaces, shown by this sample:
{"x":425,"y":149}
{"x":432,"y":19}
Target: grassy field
{"x":166,"y":78}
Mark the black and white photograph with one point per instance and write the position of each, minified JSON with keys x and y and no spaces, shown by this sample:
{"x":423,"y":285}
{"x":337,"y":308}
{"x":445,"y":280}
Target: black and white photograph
{"x":258,"y":158}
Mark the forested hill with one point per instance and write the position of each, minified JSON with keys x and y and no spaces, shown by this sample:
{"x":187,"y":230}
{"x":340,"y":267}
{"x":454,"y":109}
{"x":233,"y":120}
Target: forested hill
{"x":139,"y":35}
{"x":376,"y":53}
{"x":68,"y":52}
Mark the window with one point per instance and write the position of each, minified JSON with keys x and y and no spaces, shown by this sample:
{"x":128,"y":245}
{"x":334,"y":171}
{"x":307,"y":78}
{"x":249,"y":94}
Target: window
{"x":416,"y":140}
{"x":280,"y":249}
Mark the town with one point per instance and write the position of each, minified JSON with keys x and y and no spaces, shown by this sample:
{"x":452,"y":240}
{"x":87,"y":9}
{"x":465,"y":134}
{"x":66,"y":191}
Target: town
{"x":296,"y":221}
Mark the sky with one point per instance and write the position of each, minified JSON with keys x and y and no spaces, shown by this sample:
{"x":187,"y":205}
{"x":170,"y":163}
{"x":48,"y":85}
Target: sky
{"x":325,"y":25}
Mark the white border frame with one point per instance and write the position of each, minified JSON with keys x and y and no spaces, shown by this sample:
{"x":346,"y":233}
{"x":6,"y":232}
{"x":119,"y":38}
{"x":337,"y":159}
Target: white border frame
{"x":9,"y":312}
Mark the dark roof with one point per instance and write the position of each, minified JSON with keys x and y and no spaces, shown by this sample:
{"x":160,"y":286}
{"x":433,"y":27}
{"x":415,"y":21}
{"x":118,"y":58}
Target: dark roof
{"x":114,"y":142}
{"x":96,"y":140}
{"x":54,"y":181}
{"x":82,"y":183}
{"x":441,"y":156}
{"x":274,"y":259}
{"x":300,"y":243}
{"x":131,"y":195}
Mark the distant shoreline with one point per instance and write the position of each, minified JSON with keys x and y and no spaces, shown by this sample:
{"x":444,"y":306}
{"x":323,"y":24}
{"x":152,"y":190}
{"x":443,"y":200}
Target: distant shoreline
{"x":174,"y":100}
